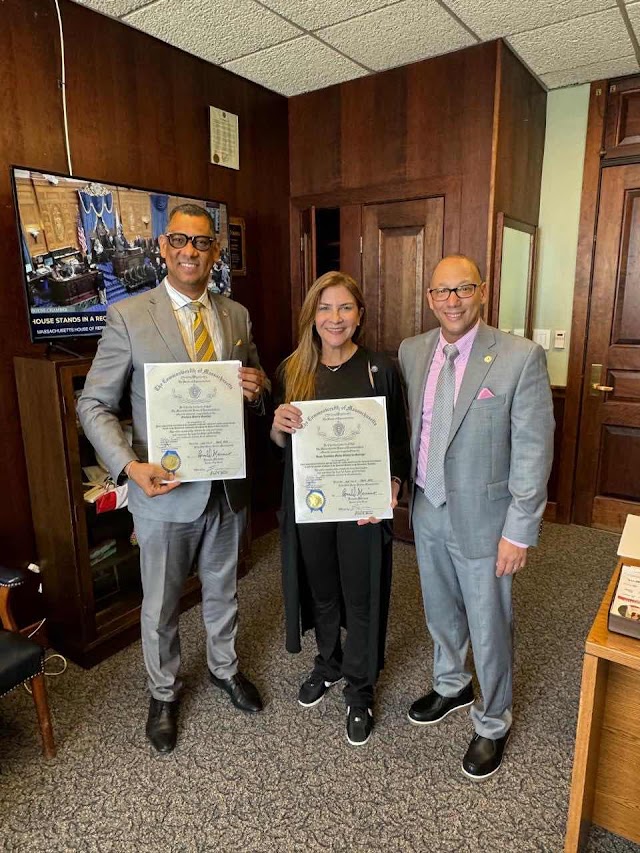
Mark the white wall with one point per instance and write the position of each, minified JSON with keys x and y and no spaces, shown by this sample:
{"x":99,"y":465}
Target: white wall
{"x":559,"y":218}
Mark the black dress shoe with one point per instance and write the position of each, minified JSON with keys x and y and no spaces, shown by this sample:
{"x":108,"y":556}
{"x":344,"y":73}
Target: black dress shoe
{"x":242,"y":692}
{"x":432,"y":708}
{"x":162,"y":725}
{"x":483,"y":757}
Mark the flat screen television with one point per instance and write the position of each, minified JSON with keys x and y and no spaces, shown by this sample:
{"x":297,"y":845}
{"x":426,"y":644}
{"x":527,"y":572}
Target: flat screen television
{"x":87,"y":244}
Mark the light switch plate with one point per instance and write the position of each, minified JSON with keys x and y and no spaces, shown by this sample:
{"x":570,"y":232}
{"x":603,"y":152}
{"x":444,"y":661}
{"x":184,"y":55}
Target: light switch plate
{"x":542,"y":337}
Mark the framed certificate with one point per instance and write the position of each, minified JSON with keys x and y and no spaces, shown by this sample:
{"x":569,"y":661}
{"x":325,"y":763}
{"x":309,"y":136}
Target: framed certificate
{"x":195,"y":419}
{"x":341,"y":461}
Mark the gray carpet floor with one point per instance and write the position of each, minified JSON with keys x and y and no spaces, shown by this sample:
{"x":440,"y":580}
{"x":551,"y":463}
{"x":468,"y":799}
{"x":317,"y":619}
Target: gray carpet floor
{"x":286,"y":780}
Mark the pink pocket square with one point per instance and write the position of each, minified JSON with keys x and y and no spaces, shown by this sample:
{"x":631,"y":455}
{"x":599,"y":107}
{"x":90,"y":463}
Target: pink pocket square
{"x":485,"y":394}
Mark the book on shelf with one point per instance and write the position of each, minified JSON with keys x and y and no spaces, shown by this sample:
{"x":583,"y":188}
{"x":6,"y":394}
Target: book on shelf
{"x":629,"y":546}
{"x":102,"y":551}
{"x":624,"y":613}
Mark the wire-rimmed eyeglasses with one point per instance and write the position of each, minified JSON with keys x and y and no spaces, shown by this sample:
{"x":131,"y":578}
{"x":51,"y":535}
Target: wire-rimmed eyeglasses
{"x":462,"y":291}
{"x":201,"y":242}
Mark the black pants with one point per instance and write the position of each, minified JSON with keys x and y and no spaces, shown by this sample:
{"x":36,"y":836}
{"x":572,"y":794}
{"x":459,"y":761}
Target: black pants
{"x":336,"y":561}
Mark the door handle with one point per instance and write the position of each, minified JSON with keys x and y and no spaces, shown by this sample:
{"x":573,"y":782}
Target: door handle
{"x":595,"y":387}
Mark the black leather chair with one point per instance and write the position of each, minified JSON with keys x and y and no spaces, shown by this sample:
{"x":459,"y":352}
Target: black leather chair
{"x":22,"y":659}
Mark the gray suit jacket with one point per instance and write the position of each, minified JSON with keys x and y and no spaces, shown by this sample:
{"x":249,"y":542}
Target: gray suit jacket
{"x":140,"y":330}
{"x":500,"y":449}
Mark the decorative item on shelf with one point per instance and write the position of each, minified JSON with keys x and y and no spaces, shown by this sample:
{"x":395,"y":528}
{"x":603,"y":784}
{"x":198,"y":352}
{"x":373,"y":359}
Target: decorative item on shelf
{"x":101,"y":491}
{"x":237,"y":245}
{"x":115,"y":497}
{"x":96,"y":482}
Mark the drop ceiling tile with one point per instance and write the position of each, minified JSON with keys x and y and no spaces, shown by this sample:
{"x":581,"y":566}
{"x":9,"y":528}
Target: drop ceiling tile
{"x":407,"y":32}
{"x":587,"y":73}
{"x":315,"y":15}
{"x":217,"y":31}
{"x":586,"y":40}
{"x":115,"y":8}
{"x":301,"y":65}
{"x":633,"y":10}
{"x":493,"y":18}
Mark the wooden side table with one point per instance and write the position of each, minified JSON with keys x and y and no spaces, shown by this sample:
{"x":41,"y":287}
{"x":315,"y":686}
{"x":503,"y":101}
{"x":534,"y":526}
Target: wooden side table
{"x":605,"y":785}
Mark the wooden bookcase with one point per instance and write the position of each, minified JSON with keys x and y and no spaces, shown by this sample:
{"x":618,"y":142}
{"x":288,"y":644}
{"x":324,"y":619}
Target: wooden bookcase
{"x":92,"y":610}
{"x":605,"y":785}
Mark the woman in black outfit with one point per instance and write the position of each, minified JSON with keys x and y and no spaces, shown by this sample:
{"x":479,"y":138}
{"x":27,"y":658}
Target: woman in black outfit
{"x":338,"y":573}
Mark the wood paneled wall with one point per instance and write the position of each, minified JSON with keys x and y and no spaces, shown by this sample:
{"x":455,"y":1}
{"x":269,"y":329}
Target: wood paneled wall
{"x":138,"y":114}
{"x":476,"y":116}
{"x":400,"y":128}
{"x":522,"y":109}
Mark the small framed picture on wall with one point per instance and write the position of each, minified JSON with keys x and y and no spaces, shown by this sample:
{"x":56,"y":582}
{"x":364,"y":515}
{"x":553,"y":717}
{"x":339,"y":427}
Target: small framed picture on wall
{"x":237,"y":246}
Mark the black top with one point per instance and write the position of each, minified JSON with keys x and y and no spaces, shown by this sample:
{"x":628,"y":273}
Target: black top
{"x":351,"y":379}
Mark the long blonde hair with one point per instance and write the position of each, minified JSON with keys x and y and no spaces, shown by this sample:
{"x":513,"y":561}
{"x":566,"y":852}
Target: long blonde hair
{"x":299,"y":369}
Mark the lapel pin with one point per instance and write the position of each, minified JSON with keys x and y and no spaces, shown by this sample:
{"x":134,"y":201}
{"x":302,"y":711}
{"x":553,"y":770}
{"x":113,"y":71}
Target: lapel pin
{"x":488,"y":359}
{"x":238,"y":343}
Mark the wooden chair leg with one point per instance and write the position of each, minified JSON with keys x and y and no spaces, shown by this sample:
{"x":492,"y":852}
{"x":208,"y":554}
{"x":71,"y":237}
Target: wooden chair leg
{"x":44,"y":719}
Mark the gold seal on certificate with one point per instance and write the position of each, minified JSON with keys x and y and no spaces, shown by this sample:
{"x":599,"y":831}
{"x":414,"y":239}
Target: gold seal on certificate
{"x":316,"y":500}
{"x":170,"y":461}
{"x":195,"y":419}
{"x":341,"y":461}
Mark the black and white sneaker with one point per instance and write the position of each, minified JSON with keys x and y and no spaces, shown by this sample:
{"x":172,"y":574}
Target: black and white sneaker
{"x":313,"y":689}
{"x":359,"y":725}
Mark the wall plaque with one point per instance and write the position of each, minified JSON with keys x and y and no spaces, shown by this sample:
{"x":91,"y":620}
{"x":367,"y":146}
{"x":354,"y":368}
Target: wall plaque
{"x":236,"y":246}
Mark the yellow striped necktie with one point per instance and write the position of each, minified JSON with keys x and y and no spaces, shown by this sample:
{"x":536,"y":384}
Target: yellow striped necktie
{"x":203,"y":345}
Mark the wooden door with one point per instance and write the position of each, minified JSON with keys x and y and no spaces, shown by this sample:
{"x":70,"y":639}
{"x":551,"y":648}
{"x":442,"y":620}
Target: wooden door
{"x":608,"y":469}
{"x":402,"y":243}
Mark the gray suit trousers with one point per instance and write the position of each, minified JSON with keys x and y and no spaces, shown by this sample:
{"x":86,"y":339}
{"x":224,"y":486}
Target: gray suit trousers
{"x":465,"y":602}
{"x":168,"y":550}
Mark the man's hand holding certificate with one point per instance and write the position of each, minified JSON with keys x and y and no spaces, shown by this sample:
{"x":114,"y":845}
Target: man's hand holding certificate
{"x":341,"y":461}
{"x":195,"y":419}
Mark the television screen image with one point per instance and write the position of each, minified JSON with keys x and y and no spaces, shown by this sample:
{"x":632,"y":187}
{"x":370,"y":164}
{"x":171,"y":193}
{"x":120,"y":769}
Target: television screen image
{"x":86,"y":245}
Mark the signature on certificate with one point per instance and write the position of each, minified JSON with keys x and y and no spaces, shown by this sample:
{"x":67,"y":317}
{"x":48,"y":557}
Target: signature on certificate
{"x":208,"y":454}
{"x":353,"y":492}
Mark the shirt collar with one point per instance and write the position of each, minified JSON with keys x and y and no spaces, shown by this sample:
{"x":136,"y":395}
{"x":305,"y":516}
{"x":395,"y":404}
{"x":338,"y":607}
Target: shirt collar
{"x":179,"y":300}
{"x":464,"y":343}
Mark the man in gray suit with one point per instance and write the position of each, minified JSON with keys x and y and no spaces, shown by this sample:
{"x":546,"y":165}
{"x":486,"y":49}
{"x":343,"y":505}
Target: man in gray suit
{"x":482,"y":446}
{"x":176,"y":524}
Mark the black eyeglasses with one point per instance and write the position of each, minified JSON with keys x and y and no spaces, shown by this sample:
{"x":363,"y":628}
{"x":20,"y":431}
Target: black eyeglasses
{"x":462,"y":291}
{"x":201,"y":242}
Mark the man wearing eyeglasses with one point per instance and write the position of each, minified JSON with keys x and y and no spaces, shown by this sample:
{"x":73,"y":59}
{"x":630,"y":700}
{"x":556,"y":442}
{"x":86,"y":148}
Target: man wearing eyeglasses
{"x":482,"y":446}
{"x":177,"y":525}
